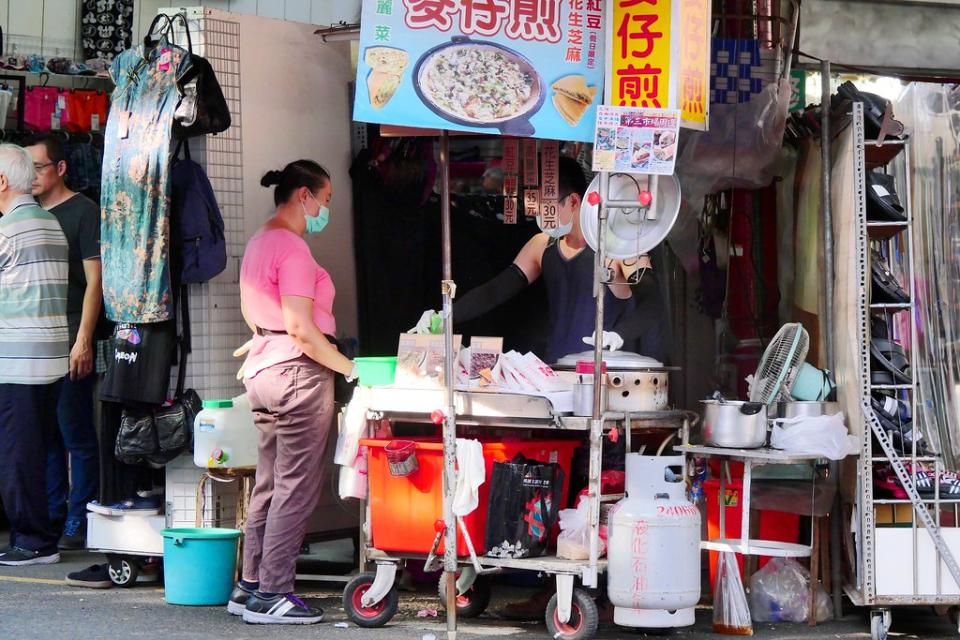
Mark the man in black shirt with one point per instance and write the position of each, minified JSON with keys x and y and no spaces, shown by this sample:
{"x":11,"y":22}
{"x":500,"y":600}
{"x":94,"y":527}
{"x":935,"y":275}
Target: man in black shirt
{"x":79,"y":218}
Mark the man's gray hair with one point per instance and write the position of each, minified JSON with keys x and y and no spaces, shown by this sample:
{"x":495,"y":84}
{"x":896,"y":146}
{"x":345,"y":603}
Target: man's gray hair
{"x":17,"y":165}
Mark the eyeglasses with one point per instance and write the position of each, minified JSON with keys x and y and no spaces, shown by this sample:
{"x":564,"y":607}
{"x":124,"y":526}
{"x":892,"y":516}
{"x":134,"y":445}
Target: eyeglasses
{"x":41,"y":167}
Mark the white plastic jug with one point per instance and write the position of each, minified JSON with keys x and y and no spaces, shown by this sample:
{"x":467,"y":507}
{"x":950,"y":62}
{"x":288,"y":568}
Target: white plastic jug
{"x":224,"y":435}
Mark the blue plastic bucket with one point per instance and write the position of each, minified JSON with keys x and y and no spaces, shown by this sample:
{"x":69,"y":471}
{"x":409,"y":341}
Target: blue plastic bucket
{"x":199,"y":565}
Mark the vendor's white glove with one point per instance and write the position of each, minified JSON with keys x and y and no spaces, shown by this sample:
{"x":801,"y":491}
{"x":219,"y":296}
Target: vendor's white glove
{"x":354,"y":373}
{"x":424,"y":326}
{"x":611,"y":341}
{"x":241,"y":352}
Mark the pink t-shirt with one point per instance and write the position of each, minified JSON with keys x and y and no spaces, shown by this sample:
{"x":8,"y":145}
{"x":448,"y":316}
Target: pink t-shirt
{"x":278,"y":263}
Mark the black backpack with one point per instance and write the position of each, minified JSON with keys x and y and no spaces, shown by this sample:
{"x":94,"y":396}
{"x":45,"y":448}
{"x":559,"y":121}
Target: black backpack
{"x":200,"y":246}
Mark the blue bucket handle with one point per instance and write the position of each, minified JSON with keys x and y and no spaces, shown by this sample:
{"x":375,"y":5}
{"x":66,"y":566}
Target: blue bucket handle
{"x":178,"y":540}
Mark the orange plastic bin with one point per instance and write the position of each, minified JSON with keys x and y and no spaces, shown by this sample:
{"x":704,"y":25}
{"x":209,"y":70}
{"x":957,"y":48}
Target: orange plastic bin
{"x":403,"y":510}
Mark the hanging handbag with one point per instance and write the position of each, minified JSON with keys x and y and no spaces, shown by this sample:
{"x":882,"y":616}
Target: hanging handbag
{"x":202,"y":108}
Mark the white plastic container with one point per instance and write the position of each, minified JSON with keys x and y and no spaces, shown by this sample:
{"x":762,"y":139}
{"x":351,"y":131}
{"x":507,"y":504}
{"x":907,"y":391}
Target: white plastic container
{"x":654,"y":546}
{"x":224,"y":435}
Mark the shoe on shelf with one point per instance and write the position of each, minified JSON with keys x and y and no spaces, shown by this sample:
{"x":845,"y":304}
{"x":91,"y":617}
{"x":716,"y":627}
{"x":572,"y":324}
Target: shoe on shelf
{"x":95,"y":576}
{"x":17,"y":557}
{"x":283,"y":608}
{"x":128,"y":507}
{"x":74,"y":535}
{"x":238,"y":600}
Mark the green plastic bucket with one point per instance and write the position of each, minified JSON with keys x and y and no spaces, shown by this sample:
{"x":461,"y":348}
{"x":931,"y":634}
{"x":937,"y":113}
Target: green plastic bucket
{"x":377,"y":372}
{"x":199,"y":565}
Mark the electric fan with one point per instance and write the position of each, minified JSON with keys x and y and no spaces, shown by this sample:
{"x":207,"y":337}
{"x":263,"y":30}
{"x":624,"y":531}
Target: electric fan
{"x":780,"y":364}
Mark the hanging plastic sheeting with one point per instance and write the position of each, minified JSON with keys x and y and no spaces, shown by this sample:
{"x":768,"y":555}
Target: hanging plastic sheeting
{"x":931,"y":113}
{"x":750,"y":97}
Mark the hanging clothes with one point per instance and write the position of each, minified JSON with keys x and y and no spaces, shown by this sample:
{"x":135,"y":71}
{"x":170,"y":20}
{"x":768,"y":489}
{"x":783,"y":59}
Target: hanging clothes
{"x":135,"y":194}
{"x":107,"y":28}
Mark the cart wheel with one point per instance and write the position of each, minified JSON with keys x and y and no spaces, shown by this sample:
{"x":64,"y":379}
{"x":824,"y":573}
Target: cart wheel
{"x":123,"y":571}
{"x":472,"y":603}
{"x":583,"y":618}
{"x":374,"y":616}
{"x":880,"y":620}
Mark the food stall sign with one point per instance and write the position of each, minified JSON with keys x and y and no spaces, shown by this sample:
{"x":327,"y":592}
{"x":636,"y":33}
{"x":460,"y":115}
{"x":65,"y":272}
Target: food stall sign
{"x":530,"y":68}
{"x":549,"y":183}
{"x":636,"y":140}
{"x":658,"y":57}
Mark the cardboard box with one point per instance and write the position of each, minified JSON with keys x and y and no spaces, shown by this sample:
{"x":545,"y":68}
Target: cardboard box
{"x":893,"y":515}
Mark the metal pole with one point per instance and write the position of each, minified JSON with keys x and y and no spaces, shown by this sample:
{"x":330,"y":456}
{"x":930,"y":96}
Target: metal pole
{"x":836,"y":524}
{"x":450,"y":415}
{"x":596,"y":425}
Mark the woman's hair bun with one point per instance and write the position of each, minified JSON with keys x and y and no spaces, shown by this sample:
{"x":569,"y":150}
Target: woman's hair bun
{"x":271,"y":178}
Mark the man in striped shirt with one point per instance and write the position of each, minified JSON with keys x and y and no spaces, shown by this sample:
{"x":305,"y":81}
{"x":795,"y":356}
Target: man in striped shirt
{"x":34,"y":357}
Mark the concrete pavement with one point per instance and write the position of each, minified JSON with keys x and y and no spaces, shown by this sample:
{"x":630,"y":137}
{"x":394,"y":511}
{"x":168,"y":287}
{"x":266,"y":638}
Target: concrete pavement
{"x":36,"y":604}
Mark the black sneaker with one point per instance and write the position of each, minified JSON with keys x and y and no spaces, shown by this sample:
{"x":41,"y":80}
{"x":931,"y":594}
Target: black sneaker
{"x":280,"y":609}
{"x":17,"y":557}
{"x":74,"y":535}
{"x":93,"y":577}
{"x":238,"y":600}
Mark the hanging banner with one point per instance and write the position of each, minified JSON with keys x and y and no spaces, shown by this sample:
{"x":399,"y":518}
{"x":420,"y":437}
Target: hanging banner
{"x":511,"y":150}
{"x":530,"y":169}
{"x":510,"y":210}
{"x":694,"y":71}
{"x":640,"y":54}
{"x":549,"y":182}
{"x":530,"y":68}
{"x":798,"y":90}
{"x":659,"y":57}
{"x":531,"y":202}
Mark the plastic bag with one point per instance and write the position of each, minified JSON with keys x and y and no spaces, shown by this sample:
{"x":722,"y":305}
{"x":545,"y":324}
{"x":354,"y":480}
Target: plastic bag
{"x":824,"y":436}
{"x":731,"y":614}
{"x":523,"y":507}
{"x":353,"y":478}
{"x":780,"y":592}
{"x":574,"y":540}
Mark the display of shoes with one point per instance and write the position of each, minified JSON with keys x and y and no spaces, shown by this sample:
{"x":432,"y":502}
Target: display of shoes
{"x":894,"y":417}
{"x":889,"y":355}
{"x":883,"y":204}
{"x":874,"y":110}
{"x":885,"y":287}
{"x":19,"y":557}
{"x":95,"y":576}
{"x":927,"y":482}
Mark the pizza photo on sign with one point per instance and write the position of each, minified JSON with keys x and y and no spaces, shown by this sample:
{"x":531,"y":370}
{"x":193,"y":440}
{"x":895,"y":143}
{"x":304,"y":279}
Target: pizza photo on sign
{"x":387,"y":65}
{"x":480,"y":84}
{"x":572,"y":97}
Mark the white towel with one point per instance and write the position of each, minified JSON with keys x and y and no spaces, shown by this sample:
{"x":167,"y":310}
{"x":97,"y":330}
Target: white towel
{"x":470,"y":475}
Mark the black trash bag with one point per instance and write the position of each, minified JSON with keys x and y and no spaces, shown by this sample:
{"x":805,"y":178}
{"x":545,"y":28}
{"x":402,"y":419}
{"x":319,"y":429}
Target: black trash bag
{"x":524,"y":507}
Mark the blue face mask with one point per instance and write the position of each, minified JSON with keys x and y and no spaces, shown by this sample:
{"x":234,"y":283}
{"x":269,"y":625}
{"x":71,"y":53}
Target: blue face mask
{"x":317,"y":223}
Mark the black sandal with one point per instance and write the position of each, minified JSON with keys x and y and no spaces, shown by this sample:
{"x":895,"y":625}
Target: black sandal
{"x":885,"y":287}
{"x":883,"y":205}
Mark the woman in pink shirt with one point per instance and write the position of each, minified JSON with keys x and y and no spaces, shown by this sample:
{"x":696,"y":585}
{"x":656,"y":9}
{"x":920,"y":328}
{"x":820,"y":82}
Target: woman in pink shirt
{"x":287,"y":300}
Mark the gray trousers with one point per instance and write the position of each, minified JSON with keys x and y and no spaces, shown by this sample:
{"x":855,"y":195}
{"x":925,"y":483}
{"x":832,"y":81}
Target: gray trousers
{"x":293,"y":408}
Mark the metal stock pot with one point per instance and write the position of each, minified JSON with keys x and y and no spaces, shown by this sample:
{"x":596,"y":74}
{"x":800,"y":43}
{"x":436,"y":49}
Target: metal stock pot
{"x":635,"y":383}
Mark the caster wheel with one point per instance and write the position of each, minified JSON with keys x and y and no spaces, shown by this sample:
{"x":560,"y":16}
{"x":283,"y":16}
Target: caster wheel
{"x":374,"y":616}
{"x":472,"y":603}
{"x":880,"y":621}
{"x":583,"y":618}
{"x":123,"y":571}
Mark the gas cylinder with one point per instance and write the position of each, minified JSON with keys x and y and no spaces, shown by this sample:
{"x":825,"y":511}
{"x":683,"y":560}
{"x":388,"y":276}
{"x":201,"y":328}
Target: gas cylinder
{"x":654,"y":546}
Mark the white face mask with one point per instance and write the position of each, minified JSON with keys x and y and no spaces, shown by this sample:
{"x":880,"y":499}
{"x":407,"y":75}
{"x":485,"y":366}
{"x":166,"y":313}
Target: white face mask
{"x":561,"y":229}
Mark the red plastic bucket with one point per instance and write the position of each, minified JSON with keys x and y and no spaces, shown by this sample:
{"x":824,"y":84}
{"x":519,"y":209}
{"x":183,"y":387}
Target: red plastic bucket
{"x":402,"y":458}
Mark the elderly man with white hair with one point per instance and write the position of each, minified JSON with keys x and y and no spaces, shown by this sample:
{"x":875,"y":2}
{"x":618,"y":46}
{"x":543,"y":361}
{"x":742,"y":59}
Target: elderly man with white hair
{"x":34,"y":357}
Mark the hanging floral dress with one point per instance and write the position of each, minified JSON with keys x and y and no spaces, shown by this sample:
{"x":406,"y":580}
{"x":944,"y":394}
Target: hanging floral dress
{"x":135,"y":193}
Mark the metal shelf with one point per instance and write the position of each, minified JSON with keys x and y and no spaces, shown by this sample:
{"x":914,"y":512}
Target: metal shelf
{"x":891,"y":387}
{"x":769,"y":548}
{"x":891,"y":306}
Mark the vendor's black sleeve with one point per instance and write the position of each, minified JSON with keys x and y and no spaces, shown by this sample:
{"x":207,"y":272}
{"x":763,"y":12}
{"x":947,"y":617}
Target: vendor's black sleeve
{"x":648,"y":313}
{"x":490,"y":295}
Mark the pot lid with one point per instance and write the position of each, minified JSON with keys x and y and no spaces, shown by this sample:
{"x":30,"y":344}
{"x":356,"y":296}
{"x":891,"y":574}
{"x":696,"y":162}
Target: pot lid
{"x":614,"y":360}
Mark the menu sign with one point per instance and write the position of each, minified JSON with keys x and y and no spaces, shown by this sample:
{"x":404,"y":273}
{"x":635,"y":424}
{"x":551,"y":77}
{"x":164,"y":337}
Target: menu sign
{"x":531,"y":68}
{"x":636,"y":140}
